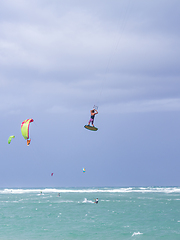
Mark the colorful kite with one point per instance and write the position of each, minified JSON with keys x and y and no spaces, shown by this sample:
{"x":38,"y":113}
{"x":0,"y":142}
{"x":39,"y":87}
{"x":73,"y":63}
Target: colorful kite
{"x":10,"y":138}
{"x":25,"y":129}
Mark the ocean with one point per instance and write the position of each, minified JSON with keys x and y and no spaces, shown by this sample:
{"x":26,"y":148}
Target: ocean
{"x":121,"y":213}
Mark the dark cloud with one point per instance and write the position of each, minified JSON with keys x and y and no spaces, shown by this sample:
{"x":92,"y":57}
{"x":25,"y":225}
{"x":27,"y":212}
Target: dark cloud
{"x":59,"y":58}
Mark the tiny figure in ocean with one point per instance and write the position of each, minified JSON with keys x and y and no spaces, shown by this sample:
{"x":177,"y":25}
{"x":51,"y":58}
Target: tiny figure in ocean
{"x":40,"y":193}
{"x":96,"y":200}
{"x":93,"y":113}
{"x":58,"y":194}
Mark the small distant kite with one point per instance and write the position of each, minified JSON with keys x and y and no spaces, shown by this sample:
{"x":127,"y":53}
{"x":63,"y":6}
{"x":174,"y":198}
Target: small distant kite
{"x":84,"y":170}
{"x":10,"y":138}
{"x":52,"y":174}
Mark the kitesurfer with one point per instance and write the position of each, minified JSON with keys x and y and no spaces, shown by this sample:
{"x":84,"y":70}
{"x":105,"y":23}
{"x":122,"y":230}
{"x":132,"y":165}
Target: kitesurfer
{"x":96,"y":200}
{"x":93,"y":113}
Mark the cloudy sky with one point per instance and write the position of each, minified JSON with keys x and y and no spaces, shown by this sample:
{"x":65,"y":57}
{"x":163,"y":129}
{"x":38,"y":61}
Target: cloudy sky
{"x":60,"y":58}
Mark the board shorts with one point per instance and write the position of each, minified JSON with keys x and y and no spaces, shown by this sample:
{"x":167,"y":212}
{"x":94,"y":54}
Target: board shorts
{"x":91,"y":121}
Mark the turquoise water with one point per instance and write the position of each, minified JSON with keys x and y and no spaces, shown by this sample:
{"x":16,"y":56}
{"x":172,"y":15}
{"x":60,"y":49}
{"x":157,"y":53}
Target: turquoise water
{"x":122,"y":213}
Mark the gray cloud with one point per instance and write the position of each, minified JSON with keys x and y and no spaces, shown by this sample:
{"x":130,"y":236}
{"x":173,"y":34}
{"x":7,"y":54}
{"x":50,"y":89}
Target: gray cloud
{"x":59,"y":58}
{"x":62,"y":52}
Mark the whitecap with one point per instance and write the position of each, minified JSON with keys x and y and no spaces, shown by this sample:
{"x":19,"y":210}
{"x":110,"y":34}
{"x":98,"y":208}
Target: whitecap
{"x":93,"y":190}
{"x":136,"y":233}
{"x":87,"y":201}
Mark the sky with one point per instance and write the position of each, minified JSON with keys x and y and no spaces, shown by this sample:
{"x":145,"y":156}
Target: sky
{"x":60,"y":58}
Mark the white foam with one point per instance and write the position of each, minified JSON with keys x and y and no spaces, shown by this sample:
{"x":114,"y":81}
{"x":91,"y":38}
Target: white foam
{"x":136,"y":233}
{"x":93,"y":190}
{"x":87,"y":201}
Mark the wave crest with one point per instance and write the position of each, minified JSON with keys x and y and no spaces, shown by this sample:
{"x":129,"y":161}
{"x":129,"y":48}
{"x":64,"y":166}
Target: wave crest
{"x":93,"y":190}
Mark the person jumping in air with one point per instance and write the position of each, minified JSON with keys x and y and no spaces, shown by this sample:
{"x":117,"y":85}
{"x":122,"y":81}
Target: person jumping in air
{"x":93,"y":113}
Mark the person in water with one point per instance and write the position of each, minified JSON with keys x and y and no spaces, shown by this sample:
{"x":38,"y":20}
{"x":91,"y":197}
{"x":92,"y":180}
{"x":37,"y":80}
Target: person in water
{"x":93,"y":113}
{"x":96,"y":200}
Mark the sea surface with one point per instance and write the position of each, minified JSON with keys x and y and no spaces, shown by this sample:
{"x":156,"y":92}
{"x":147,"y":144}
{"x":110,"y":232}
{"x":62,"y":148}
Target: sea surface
{"x":122,"y":213}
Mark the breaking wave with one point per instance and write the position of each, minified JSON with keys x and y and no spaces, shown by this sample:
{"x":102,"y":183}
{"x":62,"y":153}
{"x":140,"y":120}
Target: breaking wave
{"x":92,"y":190}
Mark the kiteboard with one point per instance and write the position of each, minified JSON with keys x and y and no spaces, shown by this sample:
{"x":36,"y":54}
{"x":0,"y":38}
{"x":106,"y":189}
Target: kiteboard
{"x":91,"y":128}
